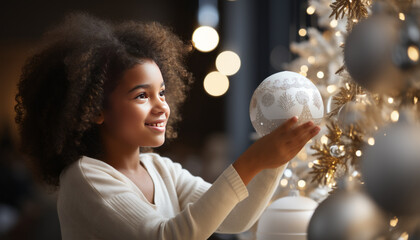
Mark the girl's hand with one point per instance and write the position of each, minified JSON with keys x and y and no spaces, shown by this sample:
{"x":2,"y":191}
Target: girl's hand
{"x":274,"y":149}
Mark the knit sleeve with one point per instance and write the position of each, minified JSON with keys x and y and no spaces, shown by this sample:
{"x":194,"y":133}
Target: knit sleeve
{"x":246,"y":213}
{"x":123,"y":215}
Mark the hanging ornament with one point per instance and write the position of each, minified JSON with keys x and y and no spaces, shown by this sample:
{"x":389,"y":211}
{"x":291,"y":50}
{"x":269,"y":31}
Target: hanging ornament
{"x":352,"y":112}
{"x":282,"y":96}
{"x":346,"y":215}
{"x":337,"y":151}
{"x":331,"y":104}
{"x":286,"y":218}
{"x":368,"y":54}
{"x":391,"y":167}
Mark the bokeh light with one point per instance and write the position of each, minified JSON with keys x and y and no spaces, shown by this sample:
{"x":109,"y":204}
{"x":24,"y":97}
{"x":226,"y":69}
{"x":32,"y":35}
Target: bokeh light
{"x":310,"y":10}
{"x":216,"y":84}
{"x":413,"y":53}
{"x":205,"y":38}
{"x":228,"y":63}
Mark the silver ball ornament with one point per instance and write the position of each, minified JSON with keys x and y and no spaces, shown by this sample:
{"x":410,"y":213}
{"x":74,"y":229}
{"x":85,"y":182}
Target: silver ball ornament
{"x":368,"y":54}
{"x":391,"y":168}
{"x":347,"y":215}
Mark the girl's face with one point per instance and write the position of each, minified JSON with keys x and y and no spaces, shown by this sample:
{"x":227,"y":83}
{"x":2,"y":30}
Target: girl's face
{"x":137,"y":112}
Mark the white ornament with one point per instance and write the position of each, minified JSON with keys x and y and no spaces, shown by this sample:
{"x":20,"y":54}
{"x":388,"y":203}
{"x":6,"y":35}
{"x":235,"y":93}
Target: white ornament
{"x":286,"y":219}
{"x":282,"y":96}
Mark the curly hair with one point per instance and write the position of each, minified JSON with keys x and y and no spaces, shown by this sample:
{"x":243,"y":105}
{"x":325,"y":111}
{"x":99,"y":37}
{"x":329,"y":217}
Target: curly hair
{"x":64,"y":86}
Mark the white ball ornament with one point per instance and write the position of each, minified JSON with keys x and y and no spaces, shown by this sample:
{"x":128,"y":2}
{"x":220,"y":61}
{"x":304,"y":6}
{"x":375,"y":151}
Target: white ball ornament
{"x":282,"y":96}
{"x":286,"y":219}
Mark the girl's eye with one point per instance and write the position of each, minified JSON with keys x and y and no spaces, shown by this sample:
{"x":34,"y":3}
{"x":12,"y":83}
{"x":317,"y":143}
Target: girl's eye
{"x":142,"y":96}
{"x":162,"y":93}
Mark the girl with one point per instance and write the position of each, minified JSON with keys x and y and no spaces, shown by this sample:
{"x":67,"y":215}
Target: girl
{"x":89,"y":102}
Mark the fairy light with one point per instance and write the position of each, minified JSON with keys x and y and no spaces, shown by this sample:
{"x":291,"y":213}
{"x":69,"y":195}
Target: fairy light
{"x":413,"y":53}
{"x":401,"y":16}
{"x":310,"y":10}
{"x":415,"y":100}
{"x":390,"y":100}
{"x":333,"y":23}
{"x":320,"y":74}
{"x":331,"y":88}
{"x":371,"y":141}
{"x":338,"y":34}
{"x":404,"y":236}
{"x":355,"y":20}
{"x":358,"y":153}
{"x":304,"y":68}
{"x":284,"y":182}
{"x":302,"y":32}
{"x":228,"y":63}
{"x":311,"y":59}
{"x":216,"y":84}
{"x":316,"y":162}
{"x":301,"y":183}
{"x":287,"y":173}
{"x":303,"y":74}
{"x":324,"y":139}
{"x":310,"y":165}
{"x":393,"y":222}
{"x":395,"y":116}
{"x":205,"y":38}
{"x":348,"y":86}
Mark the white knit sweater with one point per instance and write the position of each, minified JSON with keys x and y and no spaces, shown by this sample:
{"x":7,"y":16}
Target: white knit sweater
{"x":96,"y":201}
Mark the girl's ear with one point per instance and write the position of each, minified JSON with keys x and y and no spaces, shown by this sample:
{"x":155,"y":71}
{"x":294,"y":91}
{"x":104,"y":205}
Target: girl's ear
{"x":100,"y":119}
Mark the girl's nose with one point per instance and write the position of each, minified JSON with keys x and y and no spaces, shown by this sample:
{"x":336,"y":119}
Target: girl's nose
{"x":160,"y":106}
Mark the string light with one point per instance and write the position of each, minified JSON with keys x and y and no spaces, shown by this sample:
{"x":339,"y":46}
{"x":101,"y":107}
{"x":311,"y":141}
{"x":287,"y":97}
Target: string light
{"x":205,"y":38}
{"x":303,"y":74}
{"x":404,"y":236}
{"x":311,"y":59}
{"x":393,"y":222}
{"x":324,"y":139}
{"x":216,"y":84}
{"x":284,"y":182}
{"x":302,"y":32}
{"x":401,"y":16}
{"x":395,"y":116}
{"x":413,"y":53}
{"x":331,"y":88}
{"x":304,"y":68}
{"x":310,"y":165}
{"x":358,"y":153}
{"x":228,"y":63}
{"x":371,"y":141}
{"x":287,"y":173}
{"x":333,"y":23}
{"x":310,"y":10}
{"x":390,"y":100}
{"x":320,"y":74}
{"x":415,"y":100}
{"x":338,"y":34}
{"x":301,"y":183}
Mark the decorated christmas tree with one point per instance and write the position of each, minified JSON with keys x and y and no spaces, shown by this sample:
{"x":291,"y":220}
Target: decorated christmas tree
{"x":364,"y":166}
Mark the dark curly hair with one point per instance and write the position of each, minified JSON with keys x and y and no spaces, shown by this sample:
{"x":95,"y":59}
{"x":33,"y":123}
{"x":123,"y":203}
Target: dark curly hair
{"x":64,"y":86}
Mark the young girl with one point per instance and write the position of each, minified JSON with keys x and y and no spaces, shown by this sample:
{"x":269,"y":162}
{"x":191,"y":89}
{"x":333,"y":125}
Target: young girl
{"x":92,"y":98}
